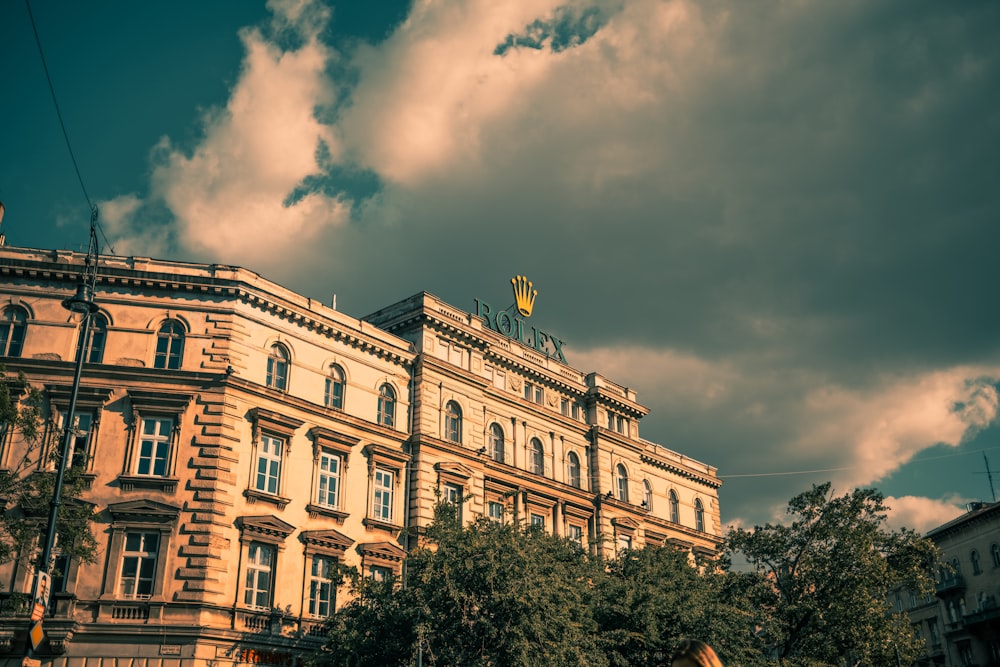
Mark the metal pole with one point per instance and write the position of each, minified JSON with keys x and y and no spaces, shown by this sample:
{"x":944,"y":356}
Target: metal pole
{"x":66,"y":452}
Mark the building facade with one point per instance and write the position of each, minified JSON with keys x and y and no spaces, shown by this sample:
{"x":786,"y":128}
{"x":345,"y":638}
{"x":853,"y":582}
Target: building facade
{"x":239,"y":441}
{"x":960,"y":624}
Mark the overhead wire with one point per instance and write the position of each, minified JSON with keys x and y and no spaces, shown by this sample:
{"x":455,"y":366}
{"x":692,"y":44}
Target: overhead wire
{"x":62,"y":125}
{"x":819,"y":470}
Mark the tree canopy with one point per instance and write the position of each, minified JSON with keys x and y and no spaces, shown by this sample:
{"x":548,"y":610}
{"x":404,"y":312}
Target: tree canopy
{"x":831,"y":570}
{"x":27,"y":484}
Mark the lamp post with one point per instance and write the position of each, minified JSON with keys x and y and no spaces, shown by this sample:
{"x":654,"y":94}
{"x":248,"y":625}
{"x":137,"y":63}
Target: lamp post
{"x":81,"y":303}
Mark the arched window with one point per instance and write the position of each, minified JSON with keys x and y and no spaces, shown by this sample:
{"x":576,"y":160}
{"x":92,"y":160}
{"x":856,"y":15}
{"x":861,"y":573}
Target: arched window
{"x":573,"y":470}
{"x":675,"y":508}
{"x":97,"y":333}
{"x":699,"y":515}
{"x":386,"y":405}
{"x":169,"y":345}
{"x":453,"y":422}
{"x":13,"y":326}
{"x":647,"y":495}
{"x":974,"y":557}
{"x":995,"y":554}
{"x":956,"y":566}
{"x":536,"y":456}
{"x":621,"y":481}
{"x":496,"y":443}
{"x":277,"y":367}
{"x":333,"y":393}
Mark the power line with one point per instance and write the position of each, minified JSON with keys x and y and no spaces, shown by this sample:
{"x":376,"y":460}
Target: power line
{"x":69,"y":147}
{"x":55,"y":103}
{"x":819,"y":470}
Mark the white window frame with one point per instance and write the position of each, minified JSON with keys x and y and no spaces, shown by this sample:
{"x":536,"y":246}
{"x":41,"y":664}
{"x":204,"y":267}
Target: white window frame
{"x":322,"y":594}
{"x":279,"y":360}
{"x":169,"y":352}
{"x":621,"y":482}
{"x":335,"y":388}
{"x":143,"y":558}
{"x":273,"y":464}
{"x":160,"y":445}
{"x":453,"y":421}
{"x":574,"y":471}
{"x":383,"y":494}
{"x":536,"y":456}
{"x":328,"y":476}
{"x":256,"y":596}
{"x":386,"y":405}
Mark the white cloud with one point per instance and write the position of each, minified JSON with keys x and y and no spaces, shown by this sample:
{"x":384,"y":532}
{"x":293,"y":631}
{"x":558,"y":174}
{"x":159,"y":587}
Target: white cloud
{"x":923,"y":514}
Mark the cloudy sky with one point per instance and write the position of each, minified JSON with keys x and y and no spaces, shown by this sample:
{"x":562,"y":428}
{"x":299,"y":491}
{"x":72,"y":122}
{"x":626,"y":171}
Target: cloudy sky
{"x":776,"y":220}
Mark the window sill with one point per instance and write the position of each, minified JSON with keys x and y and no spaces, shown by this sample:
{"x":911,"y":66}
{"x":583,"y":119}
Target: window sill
{"x":133,"y":482}
{"x":376,"y":524}
{"x":329,"y":512}
{"x":253,"y":495}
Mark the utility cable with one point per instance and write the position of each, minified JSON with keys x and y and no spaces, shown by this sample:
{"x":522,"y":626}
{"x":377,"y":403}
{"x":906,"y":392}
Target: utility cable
{"x":819,"y":470}
{"x":69,"y":147}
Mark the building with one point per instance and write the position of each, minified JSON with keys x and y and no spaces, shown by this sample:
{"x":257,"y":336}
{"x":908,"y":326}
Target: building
{"x":960,"y":624}
{"x":239,"y":440}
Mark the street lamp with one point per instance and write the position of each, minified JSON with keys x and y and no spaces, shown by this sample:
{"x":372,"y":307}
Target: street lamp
{"x":81,"y":303}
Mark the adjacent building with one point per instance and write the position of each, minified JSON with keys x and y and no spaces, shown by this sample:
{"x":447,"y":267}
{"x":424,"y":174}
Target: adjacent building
{"x":240,"y":441}
{"x":960,"y":624}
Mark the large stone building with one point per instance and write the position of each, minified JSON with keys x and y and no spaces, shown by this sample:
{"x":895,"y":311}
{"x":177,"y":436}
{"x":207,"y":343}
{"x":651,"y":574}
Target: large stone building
{"x":239,"y":440}
{"x":960,"y":625}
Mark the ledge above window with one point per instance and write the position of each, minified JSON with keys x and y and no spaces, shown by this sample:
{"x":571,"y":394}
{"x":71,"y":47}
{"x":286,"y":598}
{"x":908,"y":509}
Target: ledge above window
{"x":375,"y":524}
{"x":133,"y":482}
{"x":329,"y":512}
{"x":253,"y":495}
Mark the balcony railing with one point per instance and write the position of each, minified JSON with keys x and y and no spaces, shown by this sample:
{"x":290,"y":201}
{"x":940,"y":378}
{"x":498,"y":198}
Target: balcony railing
{"x":952,"y":584}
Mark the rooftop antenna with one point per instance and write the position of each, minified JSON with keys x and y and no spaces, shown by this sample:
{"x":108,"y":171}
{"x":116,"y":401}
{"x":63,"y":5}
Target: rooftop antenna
{"x":989,"y":476}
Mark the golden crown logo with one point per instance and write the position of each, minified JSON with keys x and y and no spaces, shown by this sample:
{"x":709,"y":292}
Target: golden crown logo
{"x":524,"y":296}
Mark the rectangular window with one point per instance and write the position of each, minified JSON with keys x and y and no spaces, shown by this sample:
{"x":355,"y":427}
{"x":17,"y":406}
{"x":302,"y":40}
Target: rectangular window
{"x":533,"y":392}
{"x":378,"y":573}
{"x":611,"y":421}
{"x":321,"y":570}
{"x":260,"y":564}
{"x":452,"y":493}
{"x":81,"y":426}
{"x":932,"y":628}
{"x":494,"y":511}
{"x":576,"y":534}
{"x":624,"y":543}
{"x":382,"y":502}
{"x":269,"y":464}
{"x":564,"y":406}
{"x":154,"y":446}
{"x":139,"y":565}
{"x":622,"y":425}
{"x":538,"y":520}
{"x":329,"y":479}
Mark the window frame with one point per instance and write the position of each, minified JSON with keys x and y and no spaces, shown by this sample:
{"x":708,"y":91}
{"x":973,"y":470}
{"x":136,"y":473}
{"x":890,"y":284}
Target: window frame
{"x":316,"y":584}
{"x":97,"y":338}
{"x":137,"y":516}
{"x":675,"y":507}
{"x":146,"y":406}
{"x":13,"y":331}
{"x":453,"y":421}
{"x":386,"y":413}
{"x":621,"y":482}
{"x":995,"y":554}
{"x":574,"y":475}
{"x":273,"y":426}
{"x":699,"y":515}
{"x":335,"y":387}
{"x":536,"y":456}
{"x":647,"y":495}
{"x":255,"y":532}
{"x":976,"y":564}
{"x":279,"y":362}
{"x":143,"y":555}
{"x":497,"y":449}
{"x":169,"y":350}
{"x":253,"y":572}
{"x":385,"y":463}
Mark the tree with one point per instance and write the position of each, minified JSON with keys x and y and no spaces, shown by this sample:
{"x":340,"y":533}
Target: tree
{"x":651,"y":598}
{"x":483,"y":594}
{"x":831,"y":571}
{"x":26,"y":487}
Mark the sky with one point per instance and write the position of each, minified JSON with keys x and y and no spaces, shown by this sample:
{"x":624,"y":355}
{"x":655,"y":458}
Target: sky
{"x":777,"y":221}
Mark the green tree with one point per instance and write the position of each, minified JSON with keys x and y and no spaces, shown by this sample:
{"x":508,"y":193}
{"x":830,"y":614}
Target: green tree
{"x":482,"y":594}
{"x":653,"y":597}
{"x":831,"y":570}
{"x":26,"y":487}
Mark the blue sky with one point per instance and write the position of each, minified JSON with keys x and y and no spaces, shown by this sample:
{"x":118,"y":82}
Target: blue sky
{"x":775,"y":221}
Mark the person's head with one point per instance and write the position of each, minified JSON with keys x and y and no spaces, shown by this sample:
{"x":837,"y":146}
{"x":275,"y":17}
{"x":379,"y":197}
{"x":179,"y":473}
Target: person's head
{"x":694,"y":653}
